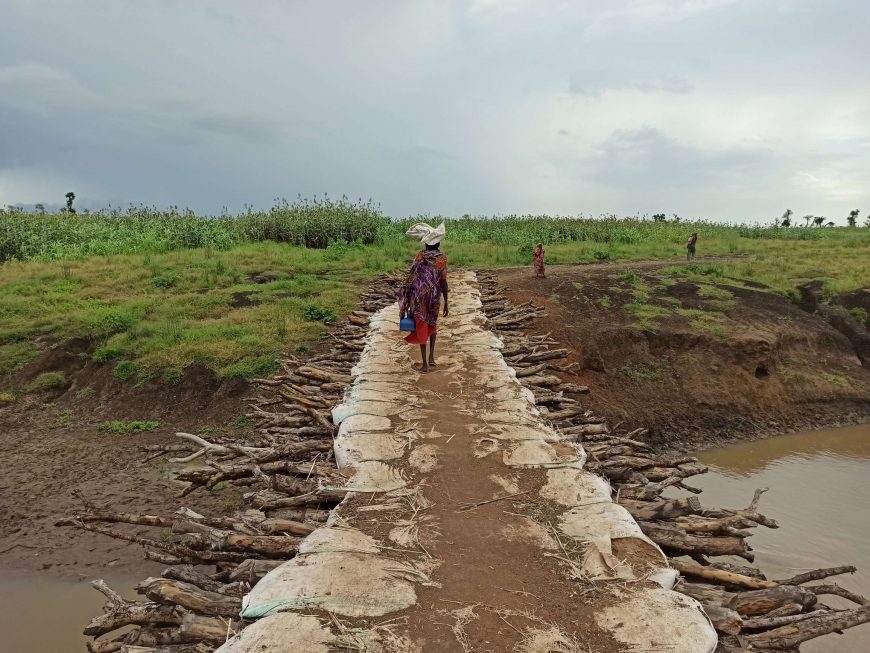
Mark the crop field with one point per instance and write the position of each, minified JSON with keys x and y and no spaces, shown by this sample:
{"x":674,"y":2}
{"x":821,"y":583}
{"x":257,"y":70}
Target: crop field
{"x":155,"y":291}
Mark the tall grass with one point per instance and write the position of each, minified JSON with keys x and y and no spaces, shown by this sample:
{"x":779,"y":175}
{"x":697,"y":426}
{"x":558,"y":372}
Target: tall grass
{"x":320,"y":222}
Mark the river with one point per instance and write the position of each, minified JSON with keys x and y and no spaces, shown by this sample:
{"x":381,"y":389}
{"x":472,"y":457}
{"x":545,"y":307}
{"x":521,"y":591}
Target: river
{"x":819,"y":494}
{"x":41,"y":613}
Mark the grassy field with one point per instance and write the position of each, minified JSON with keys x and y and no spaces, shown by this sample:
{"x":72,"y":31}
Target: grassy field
{"x":156,"y":291}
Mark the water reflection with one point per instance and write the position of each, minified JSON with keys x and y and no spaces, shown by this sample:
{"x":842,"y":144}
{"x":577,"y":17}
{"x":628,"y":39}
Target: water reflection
{"x":820,"y":496}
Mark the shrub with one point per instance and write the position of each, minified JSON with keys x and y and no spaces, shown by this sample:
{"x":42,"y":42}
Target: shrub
{"x":316,"y":313}
{"x":861,"y":315}
{"x":167,"y":279}
{"x":124,"y":370}
{"x":48,"y":381}
{"x":135,"y":426}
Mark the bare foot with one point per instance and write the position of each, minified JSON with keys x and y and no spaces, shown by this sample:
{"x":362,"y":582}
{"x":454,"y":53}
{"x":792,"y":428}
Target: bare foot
{"x":421,"y":368}
{"x":432,"y":363}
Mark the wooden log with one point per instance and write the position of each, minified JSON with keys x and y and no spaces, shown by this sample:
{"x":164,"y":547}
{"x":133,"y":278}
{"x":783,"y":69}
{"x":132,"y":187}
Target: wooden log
{"x":253,"y":570}
{"x":728,"y":525}
{"x":116,"y":517}
{"x":180,"y":552}
{"x":832,"y":589}
{"x":706,"y":594}
{"x":677,"y":540}
{"x":752,"y":572}
{"x":793,"y":635}
{"x":552,"y":354}
{"x":567,"y":413}
{"x":120,"y":612}
{"x":323,"y":375}
{"x":766,"y":623}
{"x":197,"y":628}
{"x":310,"y":499}
{"x":191,"y":575}
{"x":288,"y":526}
{"x":683,"y":471}
{"x":173,"y":592}
{"x":662,"y":510}
{"x":758,"y":602}
{"x":818,"y":574}
{"x":724,"y":620}
{"x":581,"y":432}
{"x":545,"y":381}
{"x":719,"y":576}
{"x":530,"y":371}
{"x":271,"y":546}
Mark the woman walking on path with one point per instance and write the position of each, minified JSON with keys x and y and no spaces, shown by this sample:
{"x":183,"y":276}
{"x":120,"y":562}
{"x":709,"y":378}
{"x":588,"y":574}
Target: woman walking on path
{"x":420,"y":295}
{"x":538,"y":261}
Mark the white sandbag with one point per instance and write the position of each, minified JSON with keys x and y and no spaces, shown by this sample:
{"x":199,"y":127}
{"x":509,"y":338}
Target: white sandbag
{"x":537,"y":453}
{"x":365,"y":423}
{"x":360,"y":446}
{"x":575,"y":487}
{"x":349,"y":584}
{"x":376,"y":408}
{"x":375,"y":476}
{"x":658,"y":620}
{"x":279,"y":633}
{"x":335,"y":539}
{"x":600,"y":523}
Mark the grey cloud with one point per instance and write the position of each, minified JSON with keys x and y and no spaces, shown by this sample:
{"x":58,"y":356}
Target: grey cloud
{"x":648,"y":158}
{"x":594,"y":83}
{"x":437,"y":107}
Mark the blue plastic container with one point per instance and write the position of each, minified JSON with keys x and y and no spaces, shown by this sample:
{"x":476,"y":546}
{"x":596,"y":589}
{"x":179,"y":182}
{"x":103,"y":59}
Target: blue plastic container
{"x":407,"y":324}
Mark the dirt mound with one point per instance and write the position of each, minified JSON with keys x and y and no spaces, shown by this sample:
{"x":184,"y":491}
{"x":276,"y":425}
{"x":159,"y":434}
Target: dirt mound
{"x":82,"y":434}
{"x":697,"y":361}
{"x":198,"y":397}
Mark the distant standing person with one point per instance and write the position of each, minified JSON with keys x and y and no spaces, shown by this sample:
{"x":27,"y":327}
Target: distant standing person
{"x":420,"y":295}
{"x":538,"y":261}
{"x":690,"y":246}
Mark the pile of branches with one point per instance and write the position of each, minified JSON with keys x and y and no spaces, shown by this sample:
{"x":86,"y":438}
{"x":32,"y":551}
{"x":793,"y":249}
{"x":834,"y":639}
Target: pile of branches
{"x":290,"y":483}
{"x":750,"y":612}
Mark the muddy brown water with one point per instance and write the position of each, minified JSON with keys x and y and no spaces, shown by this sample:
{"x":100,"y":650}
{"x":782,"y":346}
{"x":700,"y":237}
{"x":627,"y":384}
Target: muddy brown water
{"x":819,"y":494}
{"x":40,"y":613}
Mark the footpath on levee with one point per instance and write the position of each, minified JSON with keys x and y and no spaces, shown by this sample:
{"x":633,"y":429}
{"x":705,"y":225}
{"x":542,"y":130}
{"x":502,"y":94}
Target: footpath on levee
{"x":478,"y":507}
{"x":472,"y":525}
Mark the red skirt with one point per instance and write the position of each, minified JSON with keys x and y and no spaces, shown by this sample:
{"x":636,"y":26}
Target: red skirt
{"x":421,"y":333}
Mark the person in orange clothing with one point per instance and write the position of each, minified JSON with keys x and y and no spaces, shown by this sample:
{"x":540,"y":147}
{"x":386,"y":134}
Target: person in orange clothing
{"x":420,"y":295}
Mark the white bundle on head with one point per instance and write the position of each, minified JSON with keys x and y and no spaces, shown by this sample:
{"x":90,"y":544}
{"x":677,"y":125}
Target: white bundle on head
{"x":427,"y":234}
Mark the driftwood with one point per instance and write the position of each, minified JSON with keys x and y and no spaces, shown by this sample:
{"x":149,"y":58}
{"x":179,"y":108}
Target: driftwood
{"x":724,"y":577}
{"x":794,"y":634}
{"x":677,"y":540}
{"x":174,"y":592}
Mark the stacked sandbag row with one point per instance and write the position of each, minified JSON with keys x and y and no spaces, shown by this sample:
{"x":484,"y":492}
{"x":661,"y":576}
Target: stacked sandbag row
{"x":290,"y":481}
{"x":747,"y":609}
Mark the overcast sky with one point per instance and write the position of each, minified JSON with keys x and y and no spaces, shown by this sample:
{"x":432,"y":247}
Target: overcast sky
{"x":725,"y":109}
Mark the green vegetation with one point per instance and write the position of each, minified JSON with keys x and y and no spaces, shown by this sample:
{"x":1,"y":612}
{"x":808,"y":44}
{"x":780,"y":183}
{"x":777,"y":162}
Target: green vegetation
{"x":834,"y":379}
{"x":156,"y":291}
{"x":136,"y":426}
{"x":861,"y":315}
{"x":47,"y":381}
{"x":64,"y":419}
{"x":647,"y":372}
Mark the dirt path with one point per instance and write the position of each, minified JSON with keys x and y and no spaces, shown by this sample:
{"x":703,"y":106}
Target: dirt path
{"x":415,"y":561}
